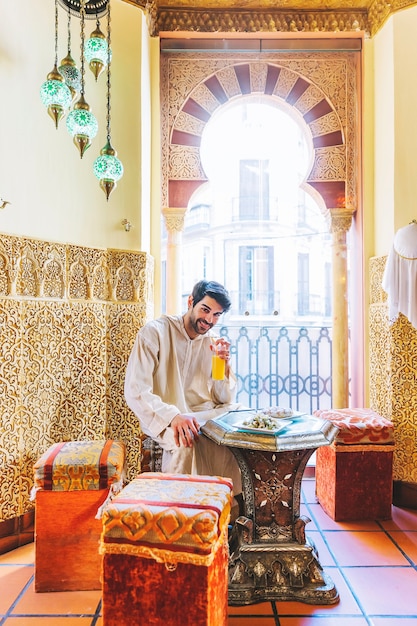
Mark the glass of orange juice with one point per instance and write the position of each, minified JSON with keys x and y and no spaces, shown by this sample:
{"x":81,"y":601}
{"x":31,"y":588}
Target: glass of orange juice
{"x":218,"y":366}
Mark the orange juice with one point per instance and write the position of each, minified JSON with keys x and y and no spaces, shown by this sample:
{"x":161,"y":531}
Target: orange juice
{"x":217,"y":367}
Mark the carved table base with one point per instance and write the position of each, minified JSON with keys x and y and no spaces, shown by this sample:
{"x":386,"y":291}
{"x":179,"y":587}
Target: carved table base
{"x":270,"y":558}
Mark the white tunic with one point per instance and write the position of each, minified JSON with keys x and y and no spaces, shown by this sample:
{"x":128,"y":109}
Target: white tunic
{"x":168,"y":373}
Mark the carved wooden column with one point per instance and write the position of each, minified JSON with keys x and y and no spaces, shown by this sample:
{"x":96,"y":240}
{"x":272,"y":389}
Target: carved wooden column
{"x":341,"y":221}
{"x":174,"y":222}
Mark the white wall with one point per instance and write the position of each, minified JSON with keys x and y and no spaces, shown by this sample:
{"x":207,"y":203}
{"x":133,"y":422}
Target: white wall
{"x":54,"y":194}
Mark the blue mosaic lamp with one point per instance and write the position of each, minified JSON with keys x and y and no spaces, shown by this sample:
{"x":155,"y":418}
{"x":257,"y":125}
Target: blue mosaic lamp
{"x":55,"y":94}
{"x":97,"y":52}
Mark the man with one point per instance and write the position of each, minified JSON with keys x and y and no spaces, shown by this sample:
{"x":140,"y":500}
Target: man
{"x":170,"y":388}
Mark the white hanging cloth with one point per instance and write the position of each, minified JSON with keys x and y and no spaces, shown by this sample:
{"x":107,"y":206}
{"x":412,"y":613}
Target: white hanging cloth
{"x":400,"y":275}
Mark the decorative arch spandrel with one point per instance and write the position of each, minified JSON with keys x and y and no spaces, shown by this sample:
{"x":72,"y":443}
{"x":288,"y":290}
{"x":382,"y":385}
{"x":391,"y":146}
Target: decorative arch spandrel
{"x":322,"y":89}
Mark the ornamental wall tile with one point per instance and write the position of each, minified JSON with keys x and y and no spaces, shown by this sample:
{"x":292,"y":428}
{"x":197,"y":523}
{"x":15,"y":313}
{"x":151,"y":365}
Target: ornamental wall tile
{"x":69,"y":316}
{"x":204,"y":97}
{"x":228,"y":80}
{"x":189,"y":124}
{"x":326,"y":124}
{"x":309,"y":99}
{"x":258,"y":74}
{"x":185,"y":163}
{"x":330,"y":164}
{"x":11,"y":432}
{"x":393,"y":383}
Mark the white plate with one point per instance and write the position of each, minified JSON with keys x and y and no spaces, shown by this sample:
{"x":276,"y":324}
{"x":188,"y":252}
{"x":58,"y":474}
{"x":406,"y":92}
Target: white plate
{"x":235,"y":420}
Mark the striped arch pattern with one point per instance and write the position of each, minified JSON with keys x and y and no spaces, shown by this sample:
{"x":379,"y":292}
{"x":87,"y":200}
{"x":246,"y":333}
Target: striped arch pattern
{"x":328,"y":173}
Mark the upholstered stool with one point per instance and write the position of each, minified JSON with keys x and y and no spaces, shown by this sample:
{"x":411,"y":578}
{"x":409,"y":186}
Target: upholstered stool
{"x":354,"y":473}
{"x":72,"y":481}
{"x":165,"y":551}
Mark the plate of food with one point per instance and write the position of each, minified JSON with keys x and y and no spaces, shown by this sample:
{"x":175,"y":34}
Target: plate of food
{"x":258,"y":420}
{"x":261,"y":422}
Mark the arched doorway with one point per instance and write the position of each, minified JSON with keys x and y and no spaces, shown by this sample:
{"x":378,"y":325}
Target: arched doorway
{"x":322,"y":89}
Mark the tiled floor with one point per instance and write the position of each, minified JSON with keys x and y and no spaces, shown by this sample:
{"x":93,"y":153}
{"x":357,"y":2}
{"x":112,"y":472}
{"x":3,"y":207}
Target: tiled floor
{"x":373,"y":565}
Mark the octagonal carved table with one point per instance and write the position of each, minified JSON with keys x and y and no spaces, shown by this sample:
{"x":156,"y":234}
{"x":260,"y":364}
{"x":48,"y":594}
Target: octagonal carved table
{"x":270,"y":556}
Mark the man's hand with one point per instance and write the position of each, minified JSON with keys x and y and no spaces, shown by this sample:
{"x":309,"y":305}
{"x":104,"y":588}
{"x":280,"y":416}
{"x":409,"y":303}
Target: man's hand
{"x":185,"y":429}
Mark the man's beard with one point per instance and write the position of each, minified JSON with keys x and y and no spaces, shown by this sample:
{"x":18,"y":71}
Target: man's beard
{"x":200,"y":326}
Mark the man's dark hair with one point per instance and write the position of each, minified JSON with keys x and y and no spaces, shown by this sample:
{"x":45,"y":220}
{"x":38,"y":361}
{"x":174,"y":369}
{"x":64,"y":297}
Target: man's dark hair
{"x":213,"y":290}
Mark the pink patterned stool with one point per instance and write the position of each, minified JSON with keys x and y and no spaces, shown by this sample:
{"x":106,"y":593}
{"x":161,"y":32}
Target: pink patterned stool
{"x":354,"y":473}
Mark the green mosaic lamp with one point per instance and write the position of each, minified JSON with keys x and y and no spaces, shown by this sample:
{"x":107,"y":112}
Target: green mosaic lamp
{"x":68,"y":69}
{"x":81,"y":123}
{"x":55,"y":94}
{"x":107,"y":167}
{"x":97,"y":51}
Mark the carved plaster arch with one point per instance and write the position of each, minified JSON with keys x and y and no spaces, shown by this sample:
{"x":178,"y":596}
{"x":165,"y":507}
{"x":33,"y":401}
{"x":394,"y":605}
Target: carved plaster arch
{"x":329,"y":175}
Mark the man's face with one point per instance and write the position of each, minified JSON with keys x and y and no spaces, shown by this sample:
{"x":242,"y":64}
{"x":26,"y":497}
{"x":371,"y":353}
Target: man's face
{"x":201,"y":317}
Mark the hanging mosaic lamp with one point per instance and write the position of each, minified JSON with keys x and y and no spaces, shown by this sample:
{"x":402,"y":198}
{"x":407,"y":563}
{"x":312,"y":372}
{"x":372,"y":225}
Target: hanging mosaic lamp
{"x":68,"y":69}
{"x":107,"y":167}
{"x":55,"y":94}
{"x":97,"y":51}
{"x":81,"y":123}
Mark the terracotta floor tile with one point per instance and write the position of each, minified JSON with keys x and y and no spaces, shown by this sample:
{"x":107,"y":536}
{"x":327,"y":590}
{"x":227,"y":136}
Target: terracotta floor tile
{"x":304,"y":510}
{"x":60,"y":602}
{"x":325,"y":557}
{"x":371,"y":563}
{"x":402,"y":519}
{"x":262,"y":608}
{"x":325,"y":620}
{"x":324,"y":522}
{"x":308,"y":491}
{"x":347,"y":604}
{"x":24,"y":555}
{"x":386,"y":591}
{"x":363,"y":548}
{"x":251,"y":621}
{"x":13,"y":579}
{"x":48,"y":621}
{"x":407,"y":541}
{"x":394,"y":621}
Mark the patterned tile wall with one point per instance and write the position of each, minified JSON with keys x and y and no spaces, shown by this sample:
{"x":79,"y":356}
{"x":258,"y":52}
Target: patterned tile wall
{"x":393,"y":382}
{"x":68,"y":319}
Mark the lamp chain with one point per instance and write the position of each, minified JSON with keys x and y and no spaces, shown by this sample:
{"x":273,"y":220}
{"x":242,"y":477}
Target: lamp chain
{"x":82,"y":16}
{"x":69,"y":32}
{"x":108,"y":70}
{"x":56,"y":33}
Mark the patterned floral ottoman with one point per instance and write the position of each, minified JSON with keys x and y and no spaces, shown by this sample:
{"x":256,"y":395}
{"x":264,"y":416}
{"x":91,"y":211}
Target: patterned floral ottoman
{"x":354,"y":474}
{"x":165,"y":551}
{"x":72,"y":481}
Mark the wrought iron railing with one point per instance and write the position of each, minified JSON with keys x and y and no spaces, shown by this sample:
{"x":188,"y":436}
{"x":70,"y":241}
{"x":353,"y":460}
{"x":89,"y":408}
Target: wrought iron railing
{"x":286,"y":366}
